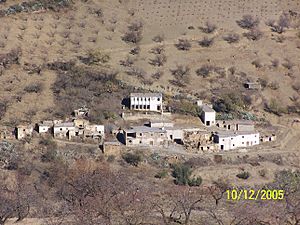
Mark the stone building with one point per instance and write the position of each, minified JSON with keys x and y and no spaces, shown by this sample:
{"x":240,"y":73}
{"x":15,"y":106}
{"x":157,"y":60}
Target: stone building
{"x":147,"y":136}
{"x":23,"y":131}
{"x":236,"y":125}
{"x":64,"y":130}
{"x":45,"y":126}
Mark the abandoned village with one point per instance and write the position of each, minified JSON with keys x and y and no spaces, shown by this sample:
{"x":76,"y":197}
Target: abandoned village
{"x":160,"y":130}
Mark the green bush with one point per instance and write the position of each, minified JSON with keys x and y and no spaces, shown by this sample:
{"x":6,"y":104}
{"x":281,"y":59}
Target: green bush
{"x":195,"y":181}
{"x":243,"y":175}
{"x":161,"y":174}
{"x":230,"y":102}
{"x":182,"y":174}
{"x":132,"y":158}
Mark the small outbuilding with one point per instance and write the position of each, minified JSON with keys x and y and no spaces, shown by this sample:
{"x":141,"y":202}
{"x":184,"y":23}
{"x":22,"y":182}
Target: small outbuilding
{"x":208,"y":116}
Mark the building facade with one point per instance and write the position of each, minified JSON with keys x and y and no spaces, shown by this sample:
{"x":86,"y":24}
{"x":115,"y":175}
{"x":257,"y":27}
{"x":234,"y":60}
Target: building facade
{"x":232,"y":140}
{"x":45,"y":126}
{"x":145,"y":136}
{"x":208,"y":116}
{"x":23,"y":131}
{"x":236,"y":125}
{"x":64,"y":130}
{"x":146,"y":102}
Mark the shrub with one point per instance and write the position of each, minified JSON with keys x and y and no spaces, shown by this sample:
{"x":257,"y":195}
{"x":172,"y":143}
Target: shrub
{"x":230,"y":102}
{"x":232,"y":38}
{"x":248,"y":22}
{"x":157,"y":75}
{"x":49,"y":143}
{"x":135,"y":50}
{"x":182,"y":175}
{"x":36,"y":88}
{"x":111,"y":158}
{"x":159,"y":60}
{"x":206,"y":42}
{"x":158,"y":38}
{"x":257,"y":63}
{"x":161,"y":174}
{"x":95,"y":58}
{"x":182,"y":73}
{"x":208,"y":28}
{"x":243,"y":175}
{"x":132,"y":158}
{"x":253,"y":34}
{"x":274,"y":85}
{"x":288,"y":64}
{"x":281,"y":25}
{"x":274,"y":107}
{"x":49,"y":156}
{"x":183,"y":45}
{"x":262,"y":172}
{"x":204,"y":71}
{"x":195,"y":181}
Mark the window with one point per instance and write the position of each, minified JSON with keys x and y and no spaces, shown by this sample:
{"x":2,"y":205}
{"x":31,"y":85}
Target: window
{"x":140,"y":142}
{"x":161,"y":134}
{"x":136,"y":107}
{"x":144,"y":106}
{"x":60,"y":128}
{"x":158,"y":99}
{"x":141,"y":134}
{"x":148,"y":106}
{"x":242,"y":142}
{"x":233,"y":145}
{"x":148,"y":99}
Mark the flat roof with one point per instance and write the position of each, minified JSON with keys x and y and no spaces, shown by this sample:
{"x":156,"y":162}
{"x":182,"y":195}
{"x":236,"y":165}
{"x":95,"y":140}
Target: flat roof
{"x":144,"y":129}
{"x":242,"y":122}
{"x":206,"y":108}
{"x":149,"y":94}
{"x":234,"y":133}
{"x":65,"y":124}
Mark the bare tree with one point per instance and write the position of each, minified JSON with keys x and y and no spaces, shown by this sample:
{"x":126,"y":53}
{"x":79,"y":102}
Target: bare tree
{"x":178,"y":206}
{"x":134,"y":33}
{"x":181,"y":74}
{"x":159,"y":60}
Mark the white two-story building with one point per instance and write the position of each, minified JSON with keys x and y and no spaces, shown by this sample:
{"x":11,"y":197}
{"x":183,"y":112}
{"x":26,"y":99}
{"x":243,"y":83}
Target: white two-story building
{"x":146,"y":102}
